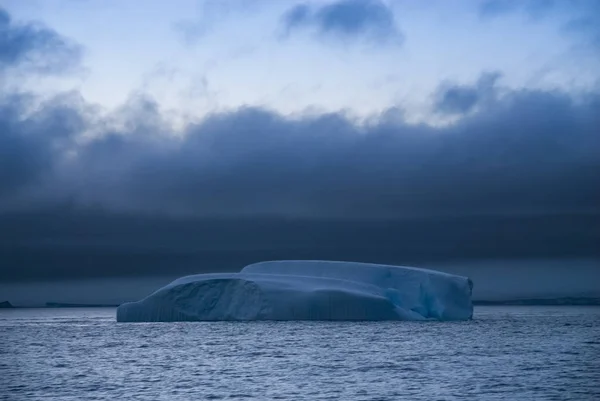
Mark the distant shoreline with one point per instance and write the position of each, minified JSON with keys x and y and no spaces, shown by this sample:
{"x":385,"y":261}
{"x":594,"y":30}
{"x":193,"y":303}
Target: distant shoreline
{"x":566,"y":301}
{"x":563,"y":301}
{"x":78,"y":305}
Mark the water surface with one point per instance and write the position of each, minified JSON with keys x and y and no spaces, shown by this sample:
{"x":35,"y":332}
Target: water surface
{"x":512,"y":353}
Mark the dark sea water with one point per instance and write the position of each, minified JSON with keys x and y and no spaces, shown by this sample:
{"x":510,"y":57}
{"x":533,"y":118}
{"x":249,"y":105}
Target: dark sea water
{"x":505,"y":353}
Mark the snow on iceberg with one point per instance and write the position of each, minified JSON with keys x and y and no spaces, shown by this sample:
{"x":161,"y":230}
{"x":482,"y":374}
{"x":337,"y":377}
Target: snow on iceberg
{"x":308,"y":290}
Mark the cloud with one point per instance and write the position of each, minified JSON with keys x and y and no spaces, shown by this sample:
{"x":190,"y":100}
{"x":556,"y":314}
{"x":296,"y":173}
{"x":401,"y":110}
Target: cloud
{"x":83,"y":193}
{"x":63,"y":244}
{"x":460,"y":99}
{"x":524,"y":151}
{"x":31,"y":142}
{"x":346,"y":19}
{"x":33,"y":46}
{"x":516,"y":176}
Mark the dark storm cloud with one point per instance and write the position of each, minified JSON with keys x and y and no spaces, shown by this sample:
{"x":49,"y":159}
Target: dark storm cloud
{"x":527,"y":151}
{"x":32,"y":143}
{"x":521,"y":151}
{"x":32,"y":45}
{"x":347,"y":19}
{"x":517,"y":176}
{"x":62,"y":243}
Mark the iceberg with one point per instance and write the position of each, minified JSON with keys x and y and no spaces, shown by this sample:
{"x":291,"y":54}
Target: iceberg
{"x":308,"y":290}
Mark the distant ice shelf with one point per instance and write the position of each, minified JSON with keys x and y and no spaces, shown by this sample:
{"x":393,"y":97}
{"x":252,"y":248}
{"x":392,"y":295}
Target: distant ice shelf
{"x":308,"y":290}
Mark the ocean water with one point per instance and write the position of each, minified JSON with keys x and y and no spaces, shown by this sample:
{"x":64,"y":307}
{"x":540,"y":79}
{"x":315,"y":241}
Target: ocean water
{"x":505,"y":353}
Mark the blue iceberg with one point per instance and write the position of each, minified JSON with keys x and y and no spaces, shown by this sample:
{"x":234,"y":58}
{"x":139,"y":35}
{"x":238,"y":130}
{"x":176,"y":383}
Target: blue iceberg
{"x":308,"y":290}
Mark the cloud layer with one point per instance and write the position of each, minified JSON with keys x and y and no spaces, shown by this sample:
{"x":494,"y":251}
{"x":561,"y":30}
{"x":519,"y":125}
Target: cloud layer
{"x":522,"y":151}
{"x":83,"y":192}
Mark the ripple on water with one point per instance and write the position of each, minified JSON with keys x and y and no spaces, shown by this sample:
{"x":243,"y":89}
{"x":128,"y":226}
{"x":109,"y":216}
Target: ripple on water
{"x":525,"y":353}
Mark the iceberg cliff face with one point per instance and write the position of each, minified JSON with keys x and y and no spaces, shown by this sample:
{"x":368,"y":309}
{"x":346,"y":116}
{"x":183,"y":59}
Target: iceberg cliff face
{"x":308,"y":290}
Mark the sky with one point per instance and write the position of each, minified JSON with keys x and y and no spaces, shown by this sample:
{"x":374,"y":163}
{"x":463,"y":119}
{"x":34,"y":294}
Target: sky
{"x":143,"y":138}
